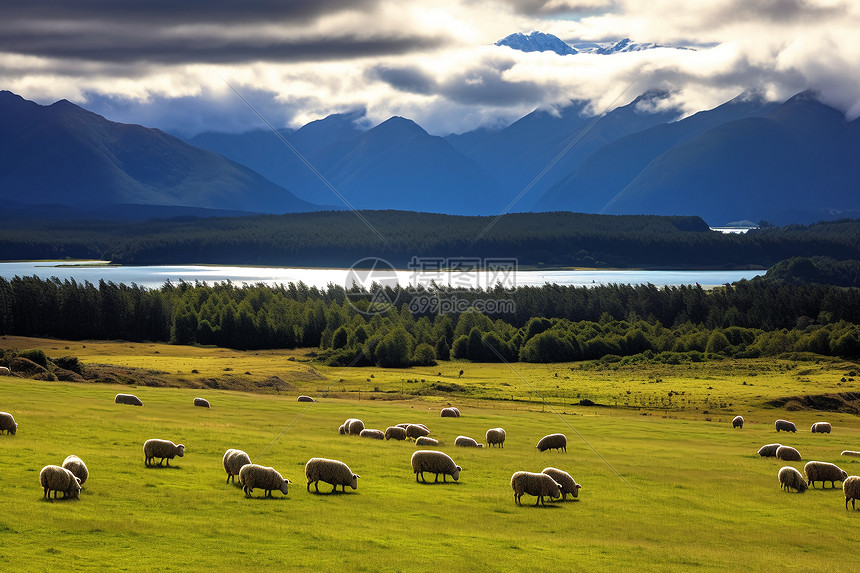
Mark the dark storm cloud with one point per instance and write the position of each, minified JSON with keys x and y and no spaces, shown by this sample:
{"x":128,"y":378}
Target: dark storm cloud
{"x":120,"y":48}
{"x":774,"y":11}
{"x":177,"y":12}
{"x":480,"y":85}
{"x":196,"y":31}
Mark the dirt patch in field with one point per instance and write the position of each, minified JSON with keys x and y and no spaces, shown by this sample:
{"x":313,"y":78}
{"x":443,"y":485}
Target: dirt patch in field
{"x":847,"y":402}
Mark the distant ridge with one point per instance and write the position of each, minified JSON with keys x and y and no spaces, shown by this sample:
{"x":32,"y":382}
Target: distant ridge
{"x":64,"y":154}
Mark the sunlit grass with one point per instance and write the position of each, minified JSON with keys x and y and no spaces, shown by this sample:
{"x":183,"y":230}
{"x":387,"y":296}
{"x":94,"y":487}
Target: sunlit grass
{"x":659,"y":492}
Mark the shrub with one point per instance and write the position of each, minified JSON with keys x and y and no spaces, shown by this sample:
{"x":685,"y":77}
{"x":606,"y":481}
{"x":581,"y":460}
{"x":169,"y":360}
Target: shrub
{"x":36,"y":355}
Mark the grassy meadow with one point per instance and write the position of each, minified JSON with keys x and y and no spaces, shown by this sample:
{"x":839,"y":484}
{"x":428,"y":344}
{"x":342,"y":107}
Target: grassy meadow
{"x":673,"y":489}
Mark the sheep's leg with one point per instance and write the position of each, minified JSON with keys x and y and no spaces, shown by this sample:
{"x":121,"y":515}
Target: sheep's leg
{"x":168,"y":461}
{"x":334,"y":488}
{"x":48,"y":495}
{"x":228,"y":478}
{"x":539,"y":499}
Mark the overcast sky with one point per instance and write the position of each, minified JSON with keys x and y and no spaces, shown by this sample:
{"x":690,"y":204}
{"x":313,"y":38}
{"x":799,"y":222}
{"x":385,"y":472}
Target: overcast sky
{"x":167,"y":63}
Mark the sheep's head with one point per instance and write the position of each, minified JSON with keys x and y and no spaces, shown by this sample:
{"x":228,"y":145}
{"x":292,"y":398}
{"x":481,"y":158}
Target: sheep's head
{"x":576,"y":489}
{"x":285,"y":486}
{"x":14,"y":429}
{"x":180,"y":450}
{"x":353,"y":482}
{"x":456,"y":473}
{"x":555,"y":490}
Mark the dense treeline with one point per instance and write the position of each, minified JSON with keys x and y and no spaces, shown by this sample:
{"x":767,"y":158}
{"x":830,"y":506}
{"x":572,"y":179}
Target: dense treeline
{"x":538,"y":324}
{"x":339,"y":239}
{"x":821,"y":270}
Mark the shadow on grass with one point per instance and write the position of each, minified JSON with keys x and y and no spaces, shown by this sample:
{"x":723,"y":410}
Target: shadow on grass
{"x":158,"y":467}
{"x":439,"y":483}
{"x":326,"y":491}
{"x":272,"y":498}
{"x":547,"y":506}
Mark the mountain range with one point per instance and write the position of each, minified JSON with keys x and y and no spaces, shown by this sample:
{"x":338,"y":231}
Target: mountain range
{"x":65,"y":155}
{"x":541,"y":42}
{"x":748,"y":159}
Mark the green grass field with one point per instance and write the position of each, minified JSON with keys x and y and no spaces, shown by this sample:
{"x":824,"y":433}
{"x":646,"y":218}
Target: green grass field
{"x":669,"y":490}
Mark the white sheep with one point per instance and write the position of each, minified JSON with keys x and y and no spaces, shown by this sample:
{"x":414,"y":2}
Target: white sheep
{"x":233,"y":461}
{"x":346,"y":425}
{"x":355,"y":427}
{"x":129,"y":399}
{"x":162,"y":449}
{"x":738,"y":422}
{"x":405,"y":425}
{"x":853,"y":453}
{"x":7,"y":423}
{"x":467,"y":442}
{"x":253,"y":476}
{"x":552,"y":442}
{"x":395,"y":433}
{"x":539,"y":485}
{"x":821,"y":428}
{"x":201,"y":402}
{"x":416,"y":431}
{"x":450,"y":412}
{"x":824,"y":471}
{"x":768,"y":450}
{"x":426,"y":441}
{"x":565,"y":480}
{"x":78,"y":468}
{"x":305,"y":399}
{"x":434,"y":462}
{"x":54,"y":478}
{"x":496,"y":436}
{"x":342,"y":430}
{"x":851,"y":487}
{"x":373,"y":434}
{"x":4,"y":371}
{"x":333,"y":472}
{"x":790,"y":477}
{"x":788,"y":454}
{"x":784,"y":426}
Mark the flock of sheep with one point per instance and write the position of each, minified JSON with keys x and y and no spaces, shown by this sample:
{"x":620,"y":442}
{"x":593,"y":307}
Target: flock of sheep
{"x":550,"y":482}
{"x":790,"y":477}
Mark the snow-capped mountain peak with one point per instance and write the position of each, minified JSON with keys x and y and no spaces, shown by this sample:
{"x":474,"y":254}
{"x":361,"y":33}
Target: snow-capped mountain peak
{"x":537,"y":42}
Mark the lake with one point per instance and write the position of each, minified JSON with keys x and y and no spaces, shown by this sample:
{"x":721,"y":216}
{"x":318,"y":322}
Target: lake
{"x":156,"y":276}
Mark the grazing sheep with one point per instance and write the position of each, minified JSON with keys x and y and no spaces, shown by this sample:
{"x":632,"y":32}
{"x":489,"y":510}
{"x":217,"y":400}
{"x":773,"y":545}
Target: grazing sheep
{"x":341,"y":430}
{"x":129,"y":399}
{"x":346,"y":425}
{"x":496,"y":436}
{"x":788,"y":454}
{"x":426,"y":441}
{"x":434,"y":462}
{"x":54,"y":478}
{"x":565,"y":480}
{"x":253,"y":476}
{"x":769,"y":450}
{"x":374,"y":434}
{"x":552,"y":442}
{"x":539,"y":485}
{"x":233,"y":461}
{"x":77,"y":466}
{"x":789,"y":477}
{"x":821,"y":428}
{"x":305,"y":399}
{"x":851,"y":487}
{"x":333,"y":472}
{"x":738,"y":422}
{"x":202,"y":402}
{"x":416,"y":431}
{"x":395,"y":433}
{"x":784,"y":426}
{"x":4,"y":371}
{"x":824,"y":471}
{"x":163,"y":449}
{"x":467,"y":442}
{"x":355,"y":427}
{"x":450,"y":412}
{"x":7,"y":423}
{"x":851,"y":453}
